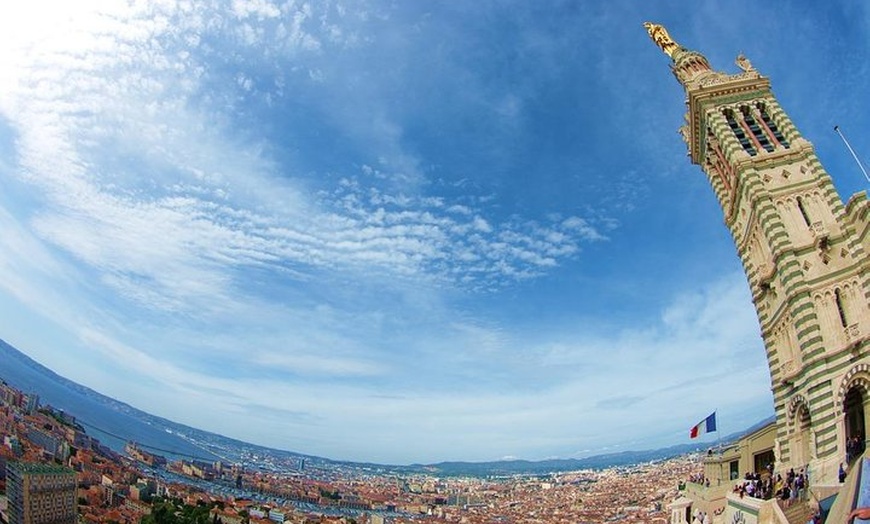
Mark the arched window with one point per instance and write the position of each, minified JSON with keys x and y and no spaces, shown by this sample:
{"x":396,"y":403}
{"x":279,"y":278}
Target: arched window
{"x":803,"y":210}
{"x":747,"y":145}
{"x":756,"y":129}
{"x":771,"y":125}
{"x":838,"y":298}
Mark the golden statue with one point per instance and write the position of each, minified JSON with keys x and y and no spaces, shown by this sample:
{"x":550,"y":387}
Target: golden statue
{"x":661,"y":37}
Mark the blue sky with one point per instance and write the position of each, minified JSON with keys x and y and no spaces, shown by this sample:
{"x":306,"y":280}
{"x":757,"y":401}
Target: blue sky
{"x":396,"y":231}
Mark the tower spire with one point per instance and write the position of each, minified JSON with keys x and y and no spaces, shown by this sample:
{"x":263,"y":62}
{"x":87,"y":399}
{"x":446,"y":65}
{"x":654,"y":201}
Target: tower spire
{"x":661,"y":37}
{"x":804,"y":254}
{"x":690,"y":67}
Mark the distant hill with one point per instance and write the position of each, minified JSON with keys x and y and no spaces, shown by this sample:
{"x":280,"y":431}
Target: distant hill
{"x":624,"y":458}
{"x":115,"y":423}
{"x":111,"y":421}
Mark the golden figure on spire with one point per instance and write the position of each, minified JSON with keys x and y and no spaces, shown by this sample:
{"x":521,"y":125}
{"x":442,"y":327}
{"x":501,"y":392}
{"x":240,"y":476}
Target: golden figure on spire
{"x":661,"y":37}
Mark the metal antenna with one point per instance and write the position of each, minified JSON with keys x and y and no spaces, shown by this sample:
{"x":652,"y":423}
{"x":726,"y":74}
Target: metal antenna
{"x":857,"y":161}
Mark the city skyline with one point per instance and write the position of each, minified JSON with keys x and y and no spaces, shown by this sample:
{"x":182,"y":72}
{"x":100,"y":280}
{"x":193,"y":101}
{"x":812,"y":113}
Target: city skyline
{"x":383,"y":234}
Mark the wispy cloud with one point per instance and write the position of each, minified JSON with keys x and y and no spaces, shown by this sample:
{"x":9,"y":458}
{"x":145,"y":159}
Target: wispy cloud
{"x":176,"y":201}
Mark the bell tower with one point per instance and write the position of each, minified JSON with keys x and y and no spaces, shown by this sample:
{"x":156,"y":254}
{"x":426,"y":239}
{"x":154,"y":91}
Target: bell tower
{"x":806,"y":256}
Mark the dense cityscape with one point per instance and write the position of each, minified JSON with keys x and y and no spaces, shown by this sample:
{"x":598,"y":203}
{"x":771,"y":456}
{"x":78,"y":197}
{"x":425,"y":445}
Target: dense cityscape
{"x":126,"y":487}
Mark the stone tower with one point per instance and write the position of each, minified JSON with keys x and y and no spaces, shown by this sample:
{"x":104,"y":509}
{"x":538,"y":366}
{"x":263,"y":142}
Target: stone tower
{"x":804,"y":253}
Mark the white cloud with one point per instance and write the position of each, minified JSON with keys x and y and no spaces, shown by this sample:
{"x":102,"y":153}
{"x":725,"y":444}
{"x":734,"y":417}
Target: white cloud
{"x":194,"y":207}
{"x":260,"y":8}
{"x":317,"y":365}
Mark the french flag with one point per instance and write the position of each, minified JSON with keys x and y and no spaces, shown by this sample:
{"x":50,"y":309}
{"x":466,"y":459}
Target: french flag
{"x":708,"y":425}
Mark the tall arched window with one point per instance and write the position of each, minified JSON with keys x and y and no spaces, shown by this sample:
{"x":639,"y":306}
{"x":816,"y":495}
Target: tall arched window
{"x":756,"y":129}
{"x":771,"y":125}
{"x":731,"y":118}
{"x":803,"y":210}
{"x":838,"y":298}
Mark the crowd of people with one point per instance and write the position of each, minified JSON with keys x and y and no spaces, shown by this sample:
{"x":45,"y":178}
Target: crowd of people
{"x":787,"y":489}
{"x":854,"y":448}
{"x":699,"y":478}
{"x":768,"y":486}
{"x":700,"y":517}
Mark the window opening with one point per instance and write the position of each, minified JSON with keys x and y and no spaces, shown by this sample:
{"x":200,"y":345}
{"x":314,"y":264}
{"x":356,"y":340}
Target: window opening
{"x":772,"y":126}
{"x":838,"y":298}
{"x":738,"y":132}
{"x":759,"y":133}
{"x":803,"y":210}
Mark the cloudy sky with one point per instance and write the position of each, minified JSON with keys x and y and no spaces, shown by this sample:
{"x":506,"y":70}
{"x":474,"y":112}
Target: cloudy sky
{"x":396,"y":231}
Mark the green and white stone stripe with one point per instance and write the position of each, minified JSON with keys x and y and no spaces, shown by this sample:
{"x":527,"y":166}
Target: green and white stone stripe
{"x":781,"y":119}
{"x":822,"y":358}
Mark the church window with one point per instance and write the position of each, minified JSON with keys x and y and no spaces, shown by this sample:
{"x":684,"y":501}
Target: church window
{"x":803,"y":210}
{"x":758,"y":132}
{"x":838,"y":298}
{"x":738,"y":132}
{"x":771,"y":125}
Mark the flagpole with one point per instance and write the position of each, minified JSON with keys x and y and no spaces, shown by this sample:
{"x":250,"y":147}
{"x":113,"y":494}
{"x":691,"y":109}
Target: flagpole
{"x":849,"y":146}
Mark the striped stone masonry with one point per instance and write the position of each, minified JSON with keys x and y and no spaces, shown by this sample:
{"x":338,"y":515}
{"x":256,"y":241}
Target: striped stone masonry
{"x":804,"y":255}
